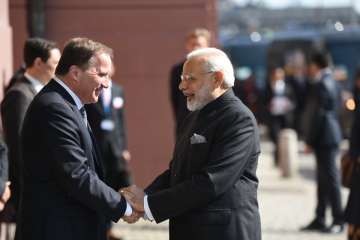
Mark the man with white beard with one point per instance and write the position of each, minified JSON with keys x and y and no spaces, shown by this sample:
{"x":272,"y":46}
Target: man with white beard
{"x":210,"y":189}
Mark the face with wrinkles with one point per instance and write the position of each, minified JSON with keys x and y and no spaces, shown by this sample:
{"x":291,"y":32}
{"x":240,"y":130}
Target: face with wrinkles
{"x":96,"y":77}
{"x":196,"y":84}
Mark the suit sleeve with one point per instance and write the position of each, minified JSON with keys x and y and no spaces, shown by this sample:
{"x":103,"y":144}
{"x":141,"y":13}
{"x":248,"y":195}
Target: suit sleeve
{"x":229,"y":156}
{"x":160,"y":183}
{"x":70,"y":165}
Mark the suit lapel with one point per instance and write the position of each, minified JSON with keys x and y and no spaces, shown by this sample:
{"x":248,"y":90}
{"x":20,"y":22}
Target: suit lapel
{"x":90,"y":147}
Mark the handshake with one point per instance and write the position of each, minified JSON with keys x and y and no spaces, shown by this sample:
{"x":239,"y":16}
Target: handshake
{"x":135,"y":197}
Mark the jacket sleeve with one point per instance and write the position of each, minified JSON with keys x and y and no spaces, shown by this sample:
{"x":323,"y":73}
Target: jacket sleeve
{"x":230,"y":153}
{"x":160,"y":183}
{"x":70,"y":165}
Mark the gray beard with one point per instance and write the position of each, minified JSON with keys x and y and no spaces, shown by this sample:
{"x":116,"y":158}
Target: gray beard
{"x":201,"y":99}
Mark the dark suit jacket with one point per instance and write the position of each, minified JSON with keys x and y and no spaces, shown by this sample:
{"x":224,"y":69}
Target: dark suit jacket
{"x":178,"y":100}
{"x":13,"y":109}
{"x":112,"y":142}
{"x":321,"y":125}
{"x":210,"y":189}
{"x":62,"y":193}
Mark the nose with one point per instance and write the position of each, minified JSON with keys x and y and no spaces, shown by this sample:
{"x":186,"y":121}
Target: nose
{"x":106,"y":82}
{"x":182,"y":85}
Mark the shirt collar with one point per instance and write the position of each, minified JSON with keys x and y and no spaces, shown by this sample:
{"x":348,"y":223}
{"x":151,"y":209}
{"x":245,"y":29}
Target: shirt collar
{"x":37,"y":85}
{"x":321,"y":73}
{"x":77,"y":100}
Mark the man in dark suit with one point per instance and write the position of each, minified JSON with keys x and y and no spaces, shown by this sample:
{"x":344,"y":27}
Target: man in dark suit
{"x":198,"y":38}
{"x":322,"y":133}
{"x":210,"y":189}
{"x":63,"y":195}
{"x":107,"y":120}
{"x":41,"y":57}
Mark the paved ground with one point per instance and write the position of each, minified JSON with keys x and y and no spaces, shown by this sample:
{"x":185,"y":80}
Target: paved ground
{"x":285,"y":205}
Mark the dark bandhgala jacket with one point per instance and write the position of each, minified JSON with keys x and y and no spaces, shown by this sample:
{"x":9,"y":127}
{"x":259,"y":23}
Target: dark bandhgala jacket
{"x":62,"y":192}
{"x":210,"y":189}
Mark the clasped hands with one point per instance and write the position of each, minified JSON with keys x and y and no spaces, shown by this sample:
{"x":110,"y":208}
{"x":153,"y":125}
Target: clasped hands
{"x":135,"y":197}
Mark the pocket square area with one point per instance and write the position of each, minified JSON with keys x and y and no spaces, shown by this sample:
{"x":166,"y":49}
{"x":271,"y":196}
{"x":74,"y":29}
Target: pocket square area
{"x":196,"y":139}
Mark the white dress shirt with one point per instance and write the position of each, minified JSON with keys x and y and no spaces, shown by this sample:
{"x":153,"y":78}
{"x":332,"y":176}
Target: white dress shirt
{"x":148,"y":215}
{"x":37,"y":85}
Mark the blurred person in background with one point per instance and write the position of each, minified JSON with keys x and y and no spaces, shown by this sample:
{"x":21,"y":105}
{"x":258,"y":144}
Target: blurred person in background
{"x":19,"y":74}
{"x":107,"y":121}
{"x":297,"y":81}
{"x":322,"y":134}
{"x":247,"y":92}
{"x":41,"y":57}
{"x":279,"y":103}
{"x":352,"y":212}
{"x":5,"y":192}
{"x":198,"y":38}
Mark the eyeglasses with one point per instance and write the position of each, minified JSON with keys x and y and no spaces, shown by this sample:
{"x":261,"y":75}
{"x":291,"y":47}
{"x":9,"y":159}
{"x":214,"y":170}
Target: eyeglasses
{"x":189,"y":77}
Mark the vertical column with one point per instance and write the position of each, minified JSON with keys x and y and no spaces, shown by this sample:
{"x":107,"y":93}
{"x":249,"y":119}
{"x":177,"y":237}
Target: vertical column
{"x":6,"y":57}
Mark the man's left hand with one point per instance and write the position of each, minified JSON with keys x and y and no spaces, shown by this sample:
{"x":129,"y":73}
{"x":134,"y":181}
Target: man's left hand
{"x":135,"y":196}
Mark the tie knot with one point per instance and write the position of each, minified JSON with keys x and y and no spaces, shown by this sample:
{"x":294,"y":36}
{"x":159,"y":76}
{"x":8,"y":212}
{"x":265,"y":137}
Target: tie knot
{"x":82,"y":111}
{"x":83,"y":114}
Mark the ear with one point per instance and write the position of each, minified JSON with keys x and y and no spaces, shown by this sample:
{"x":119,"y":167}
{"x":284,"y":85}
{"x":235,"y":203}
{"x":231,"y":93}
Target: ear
{"x":219,"y":79}
{"x":38,"y":62}
{"x":74,"y":72}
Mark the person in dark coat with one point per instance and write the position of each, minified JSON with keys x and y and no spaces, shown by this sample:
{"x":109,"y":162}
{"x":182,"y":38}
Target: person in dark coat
{"x":63,"y":195}
{"x":198,"y":38}
{"x":209,"y":190}
{"x":41,"y":57}
{"x":352,"y":211}
{"x":19,"y":74}
{"x":322,"y":133}
{"x":107,"y":120}
{"x":279,"y":104}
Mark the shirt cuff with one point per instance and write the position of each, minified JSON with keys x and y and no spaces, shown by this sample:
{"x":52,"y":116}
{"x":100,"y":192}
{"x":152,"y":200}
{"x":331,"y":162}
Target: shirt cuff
{"x":128,"y":211}
{"x":148,"y":213}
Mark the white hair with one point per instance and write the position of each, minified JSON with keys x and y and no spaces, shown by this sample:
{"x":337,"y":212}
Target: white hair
{"x":215,"y":60}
